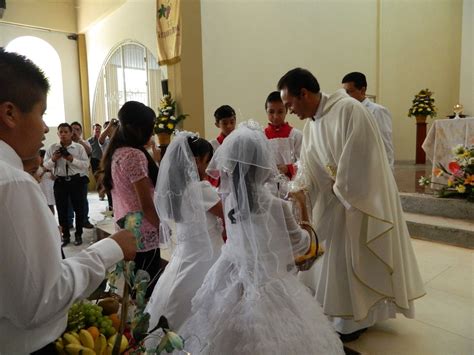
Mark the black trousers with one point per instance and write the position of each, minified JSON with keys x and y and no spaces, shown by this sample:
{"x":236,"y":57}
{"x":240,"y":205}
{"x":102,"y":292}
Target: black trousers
{"x":73,"y":190}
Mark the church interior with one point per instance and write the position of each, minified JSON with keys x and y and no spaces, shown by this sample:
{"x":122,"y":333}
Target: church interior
{"x":100,"y":53}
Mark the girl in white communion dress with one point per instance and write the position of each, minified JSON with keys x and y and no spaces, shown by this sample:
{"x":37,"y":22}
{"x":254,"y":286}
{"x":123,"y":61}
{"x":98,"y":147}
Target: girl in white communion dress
{"x":250,"y":301}
{"x":183,"y":197}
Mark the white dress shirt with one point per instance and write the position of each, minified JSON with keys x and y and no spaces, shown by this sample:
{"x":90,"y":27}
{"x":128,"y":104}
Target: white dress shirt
{"x":384,"y":122}
{"x":79,"y":164}
{"x":38,"y":287}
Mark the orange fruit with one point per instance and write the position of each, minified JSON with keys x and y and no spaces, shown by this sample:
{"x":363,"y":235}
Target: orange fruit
{"x":115,"y":320}
{"x":94,"y":332}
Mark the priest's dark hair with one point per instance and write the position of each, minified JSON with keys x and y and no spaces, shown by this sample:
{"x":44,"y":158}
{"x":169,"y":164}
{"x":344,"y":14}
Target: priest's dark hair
{"x":136,"y":127}
{"x":273,"y":97}
{"x":357,"y":78}
{"x":21,"y":81}
{"x":224,"y":111}
{"x":297,"y":79}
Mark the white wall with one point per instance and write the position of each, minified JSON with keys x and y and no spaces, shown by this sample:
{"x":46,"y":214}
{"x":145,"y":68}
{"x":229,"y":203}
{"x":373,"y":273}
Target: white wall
{"x":59,"y":15}
{"x":134,"y":20}
{"x":402,"y":46}
{"x":466,"y":95}
{"x":67,"y":50}
{"x":420,"y":48}
{"x":249,"y":45}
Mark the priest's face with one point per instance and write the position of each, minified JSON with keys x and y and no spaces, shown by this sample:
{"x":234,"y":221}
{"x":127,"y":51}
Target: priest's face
{"x":358,"y":94}
{"x":298,"y":105}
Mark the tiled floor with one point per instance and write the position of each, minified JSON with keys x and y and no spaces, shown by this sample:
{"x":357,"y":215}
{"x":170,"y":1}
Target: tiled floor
{"x":444,"y":318}
{"x":444,"y":321}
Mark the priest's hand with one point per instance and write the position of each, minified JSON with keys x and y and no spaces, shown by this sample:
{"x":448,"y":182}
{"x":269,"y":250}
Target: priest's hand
{"x":126,"y":241}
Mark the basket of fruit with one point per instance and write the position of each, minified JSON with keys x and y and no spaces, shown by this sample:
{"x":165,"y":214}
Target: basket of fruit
{"x":91,"y":329}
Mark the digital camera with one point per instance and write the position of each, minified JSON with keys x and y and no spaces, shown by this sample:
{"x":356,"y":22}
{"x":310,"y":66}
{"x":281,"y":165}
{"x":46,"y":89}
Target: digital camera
{"x":63,"y":152}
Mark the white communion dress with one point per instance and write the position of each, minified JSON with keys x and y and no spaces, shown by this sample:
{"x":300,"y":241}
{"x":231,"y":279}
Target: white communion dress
{"x":187,"y":268}
{"x":250,"y":301}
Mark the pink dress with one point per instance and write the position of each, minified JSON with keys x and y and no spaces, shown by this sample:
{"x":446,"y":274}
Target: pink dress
{"x":130,"y":165}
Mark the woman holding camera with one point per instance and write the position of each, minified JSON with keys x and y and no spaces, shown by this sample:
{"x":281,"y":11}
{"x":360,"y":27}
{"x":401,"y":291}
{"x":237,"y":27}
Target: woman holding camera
{"x":130,"y":174}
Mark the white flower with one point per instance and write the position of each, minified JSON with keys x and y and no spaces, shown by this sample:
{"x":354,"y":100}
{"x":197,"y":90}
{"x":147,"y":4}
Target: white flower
{"x":161,"y":125}
{"x":172,"y":118}
{"x":169,"y":108}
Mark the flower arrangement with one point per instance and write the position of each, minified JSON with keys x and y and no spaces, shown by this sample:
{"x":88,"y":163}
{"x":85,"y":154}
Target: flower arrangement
{"x":167,"y":120}
{"x":460,"y":172}
{"x":423,"y":104}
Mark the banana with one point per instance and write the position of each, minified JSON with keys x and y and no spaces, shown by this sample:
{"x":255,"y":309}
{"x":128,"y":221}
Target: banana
{"x":100,"y":345}
{"x":71,"y":339}
{"x":59,"y":346}
{"x":75,"y":349}
{"x":123,"y":343}
{"x":108,"y":349}
{"x":86,"y":339}
{"x":74,"y":333}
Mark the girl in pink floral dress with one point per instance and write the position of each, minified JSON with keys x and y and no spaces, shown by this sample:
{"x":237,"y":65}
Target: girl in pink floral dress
{"x":130,"y":175}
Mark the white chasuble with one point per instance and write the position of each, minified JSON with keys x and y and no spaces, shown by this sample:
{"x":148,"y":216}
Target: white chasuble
{"x":369,"y":262}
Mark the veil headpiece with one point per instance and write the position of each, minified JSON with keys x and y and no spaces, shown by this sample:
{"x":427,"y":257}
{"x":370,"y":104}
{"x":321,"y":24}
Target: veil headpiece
{"x":178,"y":195}
{"x":255,"y":221}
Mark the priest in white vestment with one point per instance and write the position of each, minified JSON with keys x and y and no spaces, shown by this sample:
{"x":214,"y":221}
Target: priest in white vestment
{"x":369,"y":271}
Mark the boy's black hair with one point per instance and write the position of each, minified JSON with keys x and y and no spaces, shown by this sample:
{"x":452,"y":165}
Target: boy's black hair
{"x":75,"y":123}
{"x":21,"y":81}
{"x":297,"y":79}
{"x":225,"y":111}
{"x":65,"y":124}
{"x":357,"y":78}
{"x":273,"y":97}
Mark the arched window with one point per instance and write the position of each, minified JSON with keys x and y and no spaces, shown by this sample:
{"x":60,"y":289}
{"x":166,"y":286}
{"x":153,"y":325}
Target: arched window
{"x":130,"y":72}
{"x":44,"y":56}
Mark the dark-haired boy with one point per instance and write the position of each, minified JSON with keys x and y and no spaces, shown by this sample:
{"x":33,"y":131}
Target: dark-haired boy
{"x":355,"y":85}
{"x":77,"y":138}
{"x":38,"y":287}
{"x":225,"y":120}
{"x":284,"y":139}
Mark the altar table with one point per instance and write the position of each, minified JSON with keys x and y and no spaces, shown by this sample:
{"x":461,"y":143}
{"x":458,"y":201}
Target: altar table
{"x":442,"y":137}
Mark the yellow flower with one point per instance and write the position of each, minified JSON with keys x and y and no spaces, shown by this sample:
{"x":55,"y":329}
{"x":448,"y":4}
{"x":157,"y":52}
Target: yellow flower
{"x":450,"y":182}
{"x":170,"y":125}
{"x":461,"y":189}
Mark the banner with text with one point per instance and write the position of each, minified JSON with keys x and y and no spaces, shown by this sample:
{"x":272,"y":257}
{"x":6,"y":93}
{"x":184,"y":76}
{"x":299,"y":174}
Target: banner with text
{"x":168,"y":30}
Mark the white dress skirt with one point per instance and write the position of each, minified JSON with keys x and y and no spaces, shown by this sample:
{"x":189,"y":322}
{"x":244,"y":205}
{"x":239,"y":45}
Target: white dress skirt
{"x":186,"y":270}
{"x":278,"y":315}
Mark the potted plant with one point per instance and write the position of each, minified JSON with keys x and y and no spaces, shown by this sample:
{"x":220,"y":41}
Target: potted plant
{"x":422,"y":106}
{"x":167,"y":120}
